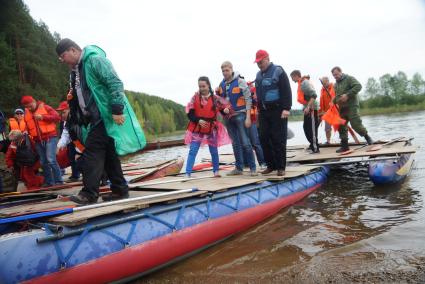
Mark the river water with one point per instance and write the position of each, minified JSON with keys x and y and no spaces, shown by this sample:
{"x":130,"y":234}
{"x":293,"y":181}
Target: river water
{"x":347,"y":231}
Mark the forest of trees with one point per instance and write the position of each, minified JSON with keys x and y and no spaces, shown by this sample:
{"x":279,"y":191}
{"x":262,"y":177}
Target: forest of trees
{"x":394,"y":90}
{"x":157,"y":115}
{"x":29,"y":65}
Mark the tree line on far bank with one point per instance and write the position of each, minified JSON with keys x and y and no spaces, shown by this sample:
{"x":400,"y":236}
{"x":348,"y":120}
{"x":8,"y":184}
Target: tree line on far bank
{"x":394,"y":91}
{"x":29,"y":66}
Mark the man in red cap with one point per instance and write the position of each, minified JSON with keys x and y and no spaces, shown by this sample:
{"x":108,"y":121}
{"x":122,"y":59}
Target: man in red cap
{"x":274,"y":97}
{"x":41,"y":122}
{"x":65,"y":142}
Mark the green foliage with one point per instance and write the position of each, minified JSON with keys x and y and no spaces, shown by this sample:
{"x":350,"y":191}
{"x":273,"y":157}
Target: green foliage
{"x":157,"y":115}
{"x":29,"y":64}
{"x":394,"y":91}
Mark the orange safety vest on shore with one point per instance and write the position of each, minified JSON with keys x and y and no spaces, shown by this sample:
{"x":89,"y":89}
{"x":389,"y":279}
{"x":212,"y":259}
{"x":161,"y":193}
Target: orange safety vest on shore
{"x":325,"y":99}
{"x":14,"y":124}
{"x":39,"y":127}
{"x":205,"y":112}
{"x":300,"y":93}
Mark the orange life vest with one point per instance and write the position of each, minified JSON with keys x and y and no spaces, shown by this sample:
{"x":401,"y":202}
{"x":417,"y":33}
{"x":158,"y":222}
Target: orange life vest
{"x":325,"y":99}
{"x":300,"y":93}
{"x":14,"y":124}
{"x":36,"y":128}
{"x":333,"y":118}
{"x":206,"y":112}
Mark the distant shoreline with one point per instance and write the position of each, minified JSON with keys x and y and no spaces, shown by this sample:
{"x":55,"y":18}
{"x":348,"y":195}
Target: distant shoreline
{"x":376,"y":111}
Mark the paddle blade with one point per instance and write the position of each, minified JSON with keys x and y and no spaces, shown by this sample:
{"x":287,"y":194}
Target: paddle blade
{"x":333,"y":118}
{"x":346,"y":152}
{"x":374,"y":148}
{"x":201,"y":166}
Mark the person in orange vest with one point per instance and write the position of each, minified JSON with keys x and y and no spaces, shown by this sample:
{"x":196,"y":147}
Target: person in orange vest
{"x":41,"y":122}
{"x":327,"y":93}
{"x":17,"y":122}
{"x":65,"y":143}
{"x":22,"y":160}
{"x":203,"y":127}
{"x":306,"y":95}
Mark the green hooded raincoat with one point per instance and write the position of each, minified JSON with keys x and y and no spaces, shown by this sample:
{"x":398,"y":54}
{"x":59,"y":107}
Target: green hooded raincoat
{"x":107,"y":89}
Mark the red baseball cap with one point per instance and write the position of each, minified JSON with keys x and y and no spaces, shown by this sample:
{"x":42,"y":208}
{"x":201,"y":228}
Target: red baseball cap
{"x":26,"y":100}
{"x":63,"y":106}
{"x":260,"y":55}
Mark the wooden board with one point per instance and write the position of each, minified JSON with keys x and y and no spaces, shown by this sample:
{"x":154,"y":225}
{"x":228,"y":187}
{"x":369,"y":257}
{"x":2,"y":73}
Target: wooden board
{"x":329,"y":153}
{"x":143,"y":165}
{"x":172,"y":167}
{"x":134,"y":176}
{"x":321,"y":145}
{"x":210,"y":184}
{"x":81,"y":217}
{"x":37,"y":207}
{"x":290,"y":172}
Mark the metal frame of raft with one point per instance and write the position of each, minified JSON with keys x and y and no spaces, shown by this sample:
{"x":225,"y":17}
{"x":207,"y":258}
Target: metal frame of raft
{"x":111,"y":248}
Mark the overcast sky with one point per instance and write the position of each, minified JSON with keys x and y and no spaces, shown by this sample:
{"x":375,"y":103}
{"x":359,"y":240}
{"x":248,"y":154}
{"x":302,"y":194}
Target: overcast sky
{"x":162,"y":47}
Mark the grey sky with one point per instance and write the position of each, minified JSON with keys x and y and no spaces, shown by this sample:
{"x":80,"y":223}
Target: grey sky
{"x":162,"y":47}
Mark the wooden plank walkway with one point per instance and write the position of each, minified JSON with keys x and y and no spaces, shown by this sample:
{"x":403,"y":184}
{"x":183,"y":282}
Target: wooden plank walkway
{"x":328,"y":153}
{"x":42,"y":206}
{"x":144,"y":165}
{"x":209,"y":184}
{"x":204,"y":185}
{"x":81,"y":217}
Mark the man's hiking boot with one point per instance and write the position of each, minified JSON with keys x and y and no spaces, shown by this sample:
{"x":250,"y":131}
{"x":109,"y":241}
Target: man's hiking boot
{"x":344,"y":146}
{"x":235,"y":172}
{"x":114,"y":196}
{"x":267,"y":171}
{"x":369,"y":139}
{"x":82,"y":199}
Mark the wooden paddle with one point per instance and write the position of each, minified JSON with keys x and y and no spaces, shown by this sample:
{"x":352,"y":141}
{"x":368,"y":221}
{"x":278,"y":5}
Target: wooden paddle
{"x":380,"y":146}
{"x":352,"y":150}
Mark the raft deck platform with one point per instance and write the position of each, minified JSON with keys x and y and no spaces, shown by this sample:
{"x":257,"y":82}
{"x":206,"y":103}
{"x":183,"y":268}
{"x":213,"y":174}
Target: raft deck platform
{"x":300,"y":155}
{"x":203,"y":182}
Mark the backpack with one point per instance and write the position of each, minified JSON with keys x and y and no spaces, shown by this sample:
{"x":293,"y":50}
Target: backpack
{"x":25,"y":156}
{"x":8,"y":181}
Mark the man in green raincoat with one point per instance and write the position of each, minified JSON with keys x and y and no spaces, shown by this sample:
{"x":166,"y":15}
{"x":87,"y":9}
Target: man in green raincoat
{"x":99,"y":107}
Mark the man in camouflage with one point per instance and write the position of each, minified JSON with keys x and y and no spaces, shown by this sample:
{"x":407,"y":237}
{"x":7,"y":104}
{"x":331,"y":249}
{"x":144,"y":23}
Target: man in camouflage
{"x":346,"y":96}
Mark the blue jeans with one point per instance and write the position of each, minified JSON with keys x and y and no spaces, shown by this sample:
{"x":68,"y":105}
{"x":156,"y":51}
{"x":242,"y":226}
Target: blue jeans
{"x":47,"y":152}
{"x":194,"y":148}
{"x":255,"y":142}
{"x":240,"y":141}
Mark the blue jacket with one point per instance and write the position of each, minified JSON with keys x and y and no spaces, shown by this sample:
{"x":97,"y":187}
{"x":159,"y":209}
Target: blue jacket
{"x":273,"y":88}
{"x":234,"y":93}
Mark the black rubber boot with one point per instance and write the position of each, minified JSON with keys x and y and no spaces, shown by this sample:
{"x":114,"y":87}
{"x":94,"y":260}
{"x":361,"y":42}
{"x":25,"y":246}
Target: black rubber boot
{"x":369,"y":140}
{"x":344,"y":146}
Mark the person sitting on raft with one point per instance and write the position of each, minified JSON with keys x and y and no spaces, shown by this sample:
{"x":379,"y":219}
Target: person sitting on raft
{"x":21,"y":158}
{"x":203,"y":127}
